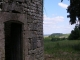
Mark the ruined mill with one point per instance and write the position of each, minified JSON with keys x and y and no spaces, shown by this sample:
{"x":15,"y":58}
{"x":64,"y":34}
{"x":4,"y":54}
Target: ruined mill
{"x":21,"y":30}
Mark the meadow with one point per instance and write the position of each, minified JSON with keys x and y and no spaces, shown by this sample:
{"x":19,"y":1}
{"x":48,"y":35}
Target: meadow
{"x":61,"y":50}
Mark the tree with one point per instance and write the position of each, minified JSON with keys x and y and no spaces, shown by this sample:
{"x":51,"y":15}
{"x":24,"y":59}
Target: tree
{"x":74,"y":15}
{"x":75,"y":34}
{"x":74,"y":11}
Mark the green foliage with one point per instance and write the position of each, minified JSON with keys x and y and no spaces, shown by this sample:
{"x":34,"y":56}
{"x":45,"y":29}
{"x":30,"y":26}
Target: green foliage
{"x":74,"y":11}
{"x":75,"y":34}
{"x":47,"y":39}
{"x":55,"y":39}
{"x":63,"y":50}
{"x":58,"y":39}
{"x":76,"y":47}
{"x":65,"y":45}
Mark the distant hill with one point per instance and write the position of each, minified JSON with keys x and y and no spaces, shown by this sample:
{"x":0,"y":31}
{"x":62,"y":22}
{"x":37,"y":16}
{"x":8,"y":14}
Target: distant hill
{"x":59,"y":35}
{"x":56,"y":34}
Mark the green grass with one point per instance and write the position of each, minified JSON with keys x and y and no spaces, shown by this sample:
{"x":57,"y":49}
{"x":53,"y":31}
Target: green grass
{"x":63,"y":49}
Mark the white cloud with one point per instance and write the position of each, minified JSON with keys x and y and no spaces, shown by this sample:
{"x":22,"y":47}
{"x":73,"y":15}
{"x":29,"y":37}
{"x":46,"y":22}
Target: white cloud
{"x":63,"y":5}
{"x":56,"y":24}
{"x":53,"y":19}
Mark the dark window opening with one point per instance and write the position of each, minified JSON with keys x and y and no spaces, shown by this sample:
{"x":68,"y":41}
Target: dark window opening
{"x":14,"y":11}
{"x":13,"y":41}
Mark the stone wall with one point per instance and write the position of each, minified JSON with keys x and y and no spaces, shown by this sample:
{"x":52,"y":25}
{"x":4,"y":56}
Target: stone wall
{"x":30,"y":13}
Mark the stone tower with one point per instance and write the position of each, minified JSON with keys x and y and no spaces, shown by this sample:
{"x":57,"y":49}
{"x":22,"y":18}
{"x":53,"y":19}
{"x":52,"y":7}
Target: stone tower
{"x":21,"y":30}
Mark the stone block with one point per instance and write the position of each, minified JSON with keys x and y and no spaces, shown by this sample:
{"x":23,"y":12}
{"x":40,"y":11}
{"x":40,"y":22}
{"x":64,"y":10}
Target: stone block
{"x":38,"y":43}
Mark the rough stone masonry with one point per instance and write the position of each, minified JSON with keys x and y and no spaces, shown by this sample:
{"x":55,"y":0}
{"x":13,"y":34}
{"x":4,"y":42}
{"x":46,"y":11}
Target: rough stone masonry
{"x":21,"y":30}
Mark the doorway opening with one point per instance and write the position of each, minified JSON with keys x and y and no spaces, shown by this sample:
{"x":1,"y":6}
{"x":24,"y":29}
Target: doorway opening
{"x":13,"y":41}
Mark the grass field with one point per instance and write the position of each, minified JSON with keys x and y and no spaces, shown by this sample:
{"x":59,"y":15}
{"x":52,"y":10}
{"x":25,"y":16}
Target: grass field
{"x":62,"y":50}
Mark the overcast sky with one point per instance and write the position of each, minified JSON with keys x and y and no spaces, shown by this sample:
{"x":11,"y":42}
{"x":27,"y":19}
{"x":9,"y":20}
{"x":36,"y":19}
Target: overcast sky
{"x":55,"y":17}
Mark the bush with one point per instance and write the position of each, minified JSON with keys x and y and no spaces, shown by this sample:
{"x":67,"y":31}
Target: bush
{"x":75,"y":34}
